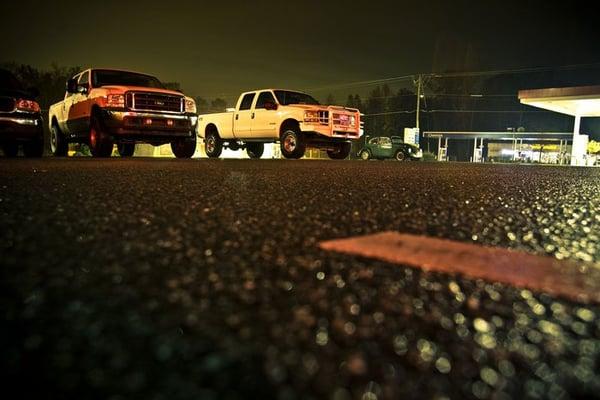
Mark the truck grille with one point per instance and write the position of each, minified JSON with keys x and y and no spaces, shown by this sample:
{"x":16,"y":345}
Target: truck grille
{"x":324,"y":117}
{"x":7,"y":104}
{"x":139,"y":101}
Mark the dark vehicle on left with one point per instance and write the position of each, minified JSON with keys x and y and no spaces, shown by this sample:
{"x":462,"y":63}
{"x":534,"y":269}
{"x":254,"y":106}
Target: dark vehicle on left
{"x":20,"y":118}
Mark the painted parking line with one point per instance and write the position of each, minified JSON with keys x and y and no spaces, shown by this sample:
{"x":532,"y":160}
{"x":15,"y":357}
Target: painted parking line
{"x":577,"y":281}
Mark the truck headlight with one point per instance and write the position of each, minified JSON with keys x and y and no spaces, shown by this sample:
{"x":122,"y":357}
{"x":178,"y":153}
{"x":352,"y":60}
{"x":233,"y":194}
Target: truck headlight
{"x":190,"y":106}
{"x":115,"y":100}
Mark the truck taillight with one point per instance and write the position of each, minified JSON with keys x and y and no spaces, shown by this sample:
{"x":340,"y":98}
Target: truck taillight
{"x":28,"y":105}
{"x":115,"y":100}
{"x":190,"y":106}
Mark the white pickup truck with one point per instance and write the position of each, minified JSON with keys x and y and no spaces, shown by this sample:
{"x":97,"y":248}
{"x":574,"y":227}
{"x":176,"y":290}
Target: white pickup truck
{"x":292,"y":118}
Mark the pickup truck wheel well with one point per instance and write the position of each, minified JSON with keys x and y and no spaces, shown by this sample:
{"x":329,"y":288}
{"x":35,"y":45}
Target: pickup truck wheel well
{"x":211,"y":128}
{"x":289,"y":124}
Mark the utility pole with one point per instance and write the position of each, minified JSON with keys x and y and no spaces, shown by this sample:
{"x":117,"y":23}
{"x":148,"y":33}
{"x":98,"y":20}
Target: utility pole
{"x":419,"y":84}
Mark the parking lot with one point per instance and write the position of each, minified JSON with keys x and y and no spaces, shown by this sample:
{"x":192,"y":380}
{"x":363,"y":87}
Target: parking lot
{"x":167,"y":279}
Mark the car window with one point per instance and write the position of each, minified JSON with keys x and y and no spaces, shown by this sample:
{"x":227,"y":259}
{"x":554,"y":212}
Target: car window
{"x":374,"y":140}
{"x":385,"y":141}
{"x":264,"y":97}
{"x":84,"y":78}
{"x":287,"y":97}
{"x":247,"y":101}
{"x":101,"y":77}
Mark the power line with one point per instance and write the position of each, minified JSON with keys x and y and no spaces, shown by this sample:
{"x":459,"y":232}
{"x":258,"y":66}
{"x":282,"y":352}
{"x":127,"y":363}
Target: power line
{"x":458,"y":75}
{"x":459,"y":111}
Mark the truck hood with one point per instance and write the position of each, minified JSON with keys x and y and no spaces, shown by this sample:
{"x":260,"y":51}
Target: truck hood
{"x":123,"y":88}
{"x":321,"y":107}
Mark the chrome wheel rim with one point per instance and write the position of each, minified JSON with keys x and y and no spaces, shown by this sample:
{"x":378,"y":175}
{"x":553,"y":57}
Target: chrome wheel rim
{"x":400,"y":156}
{"x":53,"y":140}
{"x":93,"y":138}
{"x":210,"y":144}
{"x":289,"y":143}
{"x":364,"y":155}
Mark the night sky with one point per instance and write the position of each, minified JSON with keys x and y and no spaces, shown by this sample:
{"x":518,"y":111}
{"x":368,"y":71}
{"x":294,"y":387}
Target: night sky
{"x":220,"y":48}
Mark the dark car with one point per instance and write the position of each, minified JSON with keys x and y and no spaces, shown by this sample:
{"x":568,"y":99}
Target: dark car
{"x":382,"y":147}
{"x":20,"y":118}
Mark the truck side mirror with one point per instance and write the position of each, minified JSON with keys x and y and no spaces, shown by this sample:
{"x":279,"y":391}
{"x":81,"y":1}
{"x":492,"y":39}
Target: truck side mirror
{"x":82,"y":88}
{"x":72,"y":86}
{"x":270,"y":106}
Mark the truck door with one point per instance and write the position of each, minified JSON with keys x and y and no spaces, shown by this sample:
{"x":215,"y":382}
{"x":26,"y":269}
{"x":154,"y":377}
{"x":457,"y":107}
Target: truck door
{"x":69,"y":126}
{"x":80,"y":108}
{"x":243,"y":117}
{"x":385,"y":147}
{"x":265,"y":120}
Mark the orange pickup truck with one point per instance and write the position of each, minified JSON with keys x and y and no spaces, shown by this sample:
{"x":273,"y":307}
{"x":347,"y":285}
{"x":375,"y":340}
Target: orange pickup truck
{"x":103,"y":107}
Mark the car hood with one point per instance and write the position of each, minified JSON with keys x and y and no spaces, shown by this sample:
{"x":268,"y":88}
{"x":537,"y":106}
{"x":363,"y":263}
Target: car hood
{"x":320,"y":107}
{"x":124,"y":88}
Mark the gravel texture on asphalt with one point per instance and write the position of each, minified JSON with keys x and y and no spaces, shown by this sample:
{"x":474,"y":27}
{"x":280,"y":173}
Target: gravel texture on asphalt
{"x":202,"y":279}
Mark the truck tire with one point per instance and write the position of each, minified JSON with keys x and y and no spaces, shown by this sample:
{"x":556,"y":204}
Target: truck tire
{"x":400,"y":156}
{"x":365,"y":155}
{"x":341,"y":152}
{"x":292,"y":143}
{"x":58,"y":143}
{"x":35,"y":147}
{"x":10,"y":149}
{"x":255,"y":150}
{"x":213,"y":145}
{"x":126,"y":149}
{"x":101,"y":144}
{"x":184,"y":148}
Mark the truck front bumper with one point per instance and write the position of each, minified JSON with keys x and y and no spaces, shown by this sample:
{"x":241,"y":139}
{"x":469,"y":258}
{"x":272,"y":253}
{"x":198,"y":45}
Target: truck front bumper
{"x":16,"y":127}
{"x":335,"y":131}
{"x":148,"y":127}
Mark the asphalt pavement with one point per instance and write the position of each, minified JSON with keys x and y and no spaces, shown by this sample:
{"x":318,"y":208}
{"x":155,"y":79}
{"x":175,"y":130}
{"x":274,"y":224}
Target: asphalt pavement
{"x":203,"y":279}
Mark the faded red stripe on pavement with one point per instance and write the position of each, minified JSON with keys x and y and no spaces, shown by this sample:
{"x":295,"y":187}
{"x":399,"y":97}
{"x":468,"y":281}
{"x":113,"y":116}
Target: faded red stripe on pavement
{"x":574,"y":280}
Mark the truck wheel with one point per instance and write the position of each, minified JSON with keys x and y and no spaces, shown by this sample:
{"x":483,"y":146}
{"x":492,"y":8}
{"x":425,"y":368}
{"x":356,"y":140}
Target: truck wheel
{"x":400,"y":156}
{"x":58,"y":143}
{"x":10,"y":149}
{"x":365,"y":155}
{"x":34,"y":148}
{"x":126,"y":149}
{"x":101,"y":144}
{"x":341,"y":152}
{"x":184,"y":148}
{"x":255,"y":150}
{"x":213,"y":145}
{"x":292,"y":143}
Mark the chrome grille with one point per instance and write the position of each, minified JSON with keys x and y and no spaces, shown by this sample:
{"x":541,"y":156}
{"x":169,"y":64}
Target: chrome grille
{"x":342,"y":119}
{"x":324,"y":117}
{"x":141,"y":101}
{"x":7,"y":104}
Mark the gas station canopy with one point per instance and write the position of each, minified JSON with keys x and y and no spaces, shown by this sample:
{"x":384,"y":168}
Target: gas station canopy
{"x":581,"y":101}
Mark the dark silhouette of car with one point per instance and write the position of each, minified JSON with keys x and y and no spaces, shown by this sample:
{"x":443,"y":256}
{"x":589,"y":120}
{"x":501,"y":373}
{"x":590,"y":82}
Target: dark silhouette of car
{"x":382,"y":147}
{"x":20,"y":118}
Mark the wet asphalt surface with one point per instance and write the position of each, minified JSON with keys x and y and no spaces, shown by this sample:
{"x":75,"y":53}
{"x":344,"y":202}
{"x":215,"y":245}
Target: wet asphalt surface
{"x":198,"y":279}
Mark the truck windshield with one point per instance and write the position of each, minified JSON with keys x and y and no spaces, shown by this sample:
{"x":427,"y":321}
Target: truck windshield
{"x":286,"y":97}
{"x":111,"y":77}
